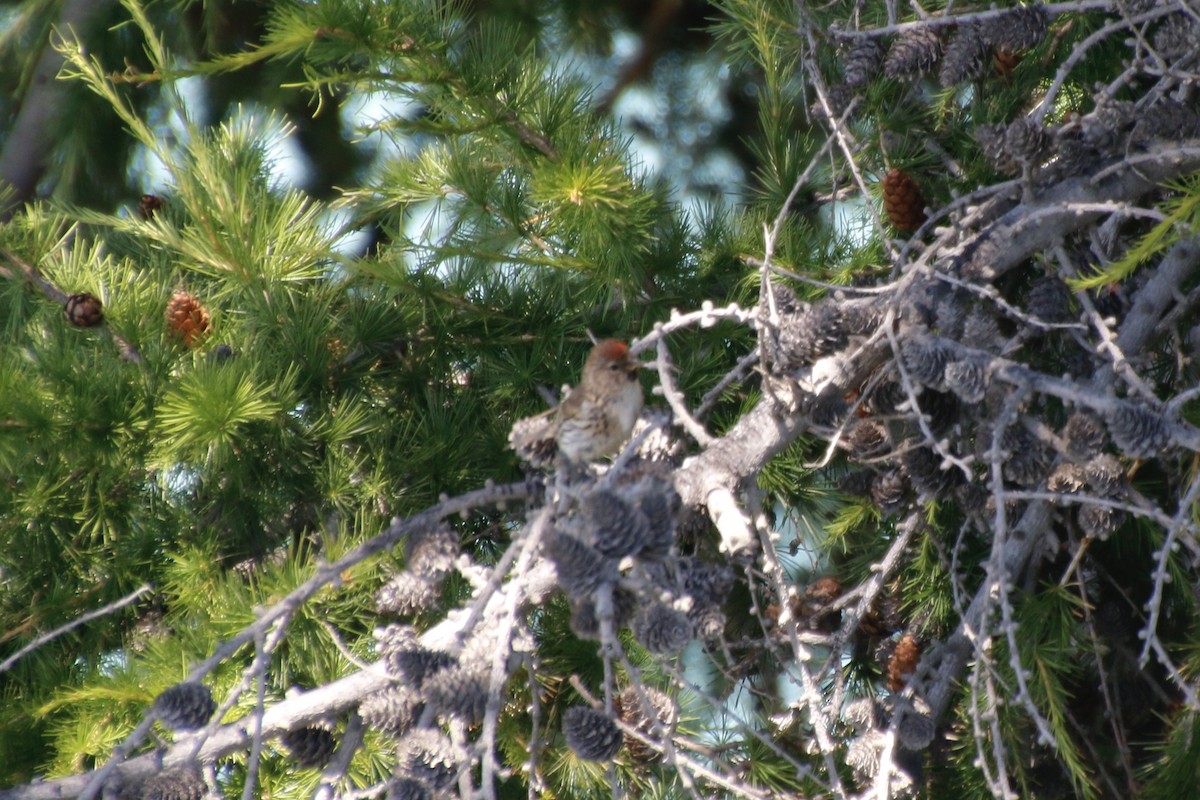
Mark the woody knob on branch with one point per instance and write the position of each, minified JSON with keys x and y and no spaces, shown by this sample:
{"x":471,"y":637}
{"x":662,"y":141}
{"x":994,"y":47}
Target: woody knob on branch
{"x":595,"y":418}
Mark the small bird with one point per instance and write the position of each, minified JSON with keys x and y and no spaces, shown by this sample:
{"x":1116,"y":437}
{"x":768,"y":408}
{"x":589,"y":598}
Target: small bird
{"x":595,"y":418}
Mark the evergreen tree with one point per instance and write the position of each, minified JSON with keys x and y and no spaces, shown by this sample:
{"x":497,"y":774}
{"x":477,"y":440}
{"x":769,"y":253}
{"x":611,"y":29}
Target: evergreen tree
{"x":912,"y":507}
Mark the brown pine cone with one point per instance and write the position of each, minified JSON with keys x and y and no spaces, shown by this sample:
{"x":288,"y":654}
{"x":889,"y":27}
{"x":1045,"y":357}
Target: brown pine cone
{"x":149,"y":204}
{"x":84,"y":310}
{"x":903,"y":201}
{"x":187,"y":318}
{"x":903,"y":662}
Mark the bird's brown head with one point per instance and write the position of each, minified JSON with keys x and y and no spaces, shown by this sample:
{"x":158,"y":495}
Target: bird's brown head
{"x":612,"y":356}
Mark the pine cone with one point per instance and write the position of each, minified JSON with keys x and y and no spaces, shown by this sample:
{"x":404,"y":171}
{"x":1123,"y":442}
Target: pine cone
{"x":662,"y":630}
{"x":924,"y":468}
{"x":391,"y":710}
{"x":982,"y":329}
{"x":1177,"y":40}
{"x":903,"y":201}
{"x":586,"y":624}
{"x":417,"y":664}
{"x":808,"y":335}
{"x":429,"y":756}
{"x":431,"y":552}
{"x":991,"y":141}
{"x":613,"y":527}
{"x":914,"y":730}
{"x":1017,"y":30}
{"x":903,"y":662}
{"x":967,"y":378}
{"x":406,"y":593}
{"x":942,"y":409}
{"x":659,"y":503}
{"x":1025,"y":140}
{"x":1028,"y":459}
{"x":581,"y":568}
{"x":966,"y":57}
{"x":1085,"y":435}
{"x":591,"y":734}
{"x":1049,"y":299}
{"x":185,"y":706}
{"x":1066,"y":478}
{"x":888,"y":492}
{"x":174,"y":784}
{"x":857,"y":483}
{"x":1099,"y":522}
{"x":187,"y":318}
{"x":148,"y":205}
{"x":926,"y":361}
{"x":1166,"y":120}
{"x":408,"y":789}
{"x":84,"y":310}
{"x":658,"y":708}
{"x":869,"y":439}
{"x":838,"y":98}
{"x":861,"y":61}
{"x":1137,"y":431}
{"x":311,"y":746}
{"x":1105,"y":475}
{"x":914,"y":53}
{"x":707,"y":583}
{"x":461,"y":692}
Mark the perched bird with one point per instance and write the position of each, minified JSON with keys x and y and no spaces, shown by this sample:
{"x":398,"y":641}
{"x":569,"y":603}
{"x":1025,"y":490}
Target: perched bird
{"x":595,"y":418}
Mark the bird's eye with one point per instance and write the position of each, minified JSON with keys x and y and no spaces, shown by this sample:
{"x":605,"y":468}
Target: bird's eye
{"x":614,"y":366}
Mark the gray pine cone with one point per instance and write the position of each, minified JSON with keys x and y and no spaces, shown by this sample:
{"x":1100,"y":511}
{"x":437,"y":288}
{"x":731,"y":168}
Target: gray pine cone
{"x":1049,"y":299}
{"x":460,"y":691}
{"x":431,"y":553}
{"x":429,"y":756}
{"x":1018,"y":30}
{"x":586,"y":624}
{"x":1066,"y":478}
{"x":1085,"y":436}
{"x":1166,"y":120}
{"x":1105,"y":475}
{"x":1177,"y":39}
{"x":391,"y":710}
{"x":926,"y":361}
{"x":581,"y":568}
{"x":924,"y":468}
{"x":1099,"y":522}
{"x":403,"y":788}
{"x":174,"y":784}
{"x":185,"y":706}
{"x":613,"y":527}
{"x":967,"y":57}
{"x":591,"y":734}
{"x":861,"y":61}
{"x":869,"y":439}
{"x":417,"y":664}
{"x":406,"y":593}
{"x":1138,"y":431}
{"x":805,"y":337}
{"x":913,"y":53}
{"x":968,"y":378}
{"x":662,"y":630}
{"x":310,"y":746}
{"x":888,"y":492}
